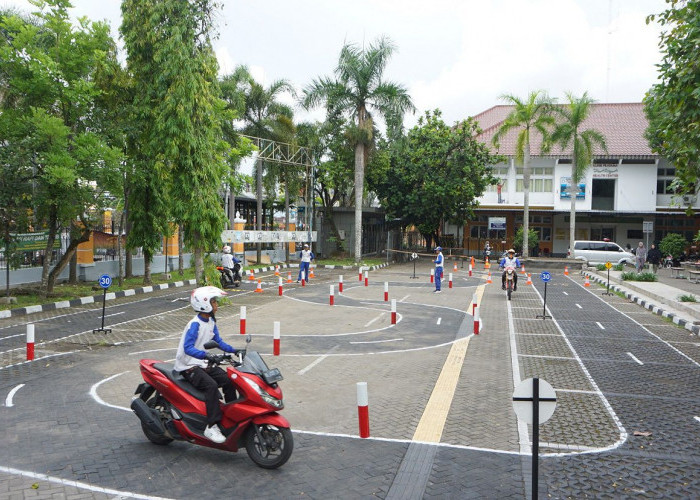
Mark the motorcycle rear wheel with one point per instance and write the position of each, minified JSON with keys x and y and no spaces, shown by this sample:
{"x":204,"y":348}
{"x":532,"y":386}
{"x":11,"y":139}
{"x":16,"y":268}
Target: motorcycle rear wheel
{"x":160,"y":405}
{"x":275,"y":448}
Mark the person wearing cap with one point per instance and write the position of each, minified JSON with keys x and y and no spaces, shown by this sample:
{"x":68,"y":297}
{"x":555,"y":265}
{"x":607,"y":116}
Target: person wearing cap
{"x":439,"y":264}
{"x":193,"y":361}
{"x":306,"y":256}
{"x":509,"y":260}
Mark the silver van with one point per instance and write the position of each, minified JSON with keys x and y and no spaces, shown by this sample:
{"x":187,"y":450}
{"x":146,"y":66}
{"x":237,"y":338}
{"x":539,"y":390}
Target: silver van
{"x":600,"y":252}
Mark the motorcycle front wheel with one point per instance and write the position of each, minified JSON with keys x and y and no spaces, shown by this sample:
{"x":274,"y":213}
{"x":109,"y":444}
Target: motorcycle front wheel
{"x":510,"y":291}
{"x":269,"y":446}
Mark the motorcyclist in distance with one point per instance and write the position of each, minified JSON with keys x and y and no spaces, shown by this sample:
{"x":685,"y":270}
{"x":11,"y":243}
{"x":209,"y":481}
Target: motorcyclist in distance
{"x":509,"y":260}
{"x":228,"y":262}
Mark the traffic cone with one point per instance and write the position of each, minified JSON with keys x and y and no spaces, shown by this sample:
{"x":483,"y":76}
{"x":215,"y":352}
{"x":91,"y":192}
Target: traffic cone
{"x":522,"y":268}
{"x":277,"y":270}
{"x":251,"y":276}
{"x":488,"y":264}
{"x":311,"y":273}
{"x":488,"y":279}
{"x":289,"y":277}
{"x":473,"y":262}
{"x":455,"y":268}
{"x":259,"y":288}
{"x":587,"y":282}
{"x":566,"y":270}
{"x":529,"y":279}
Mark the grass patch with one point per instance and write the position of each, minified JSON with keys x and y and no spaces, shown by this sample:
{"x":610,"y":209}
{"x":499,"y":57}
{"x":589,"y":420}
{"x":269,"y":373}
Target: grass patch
{"x":687,"y":298}
{"x":632,"y":276}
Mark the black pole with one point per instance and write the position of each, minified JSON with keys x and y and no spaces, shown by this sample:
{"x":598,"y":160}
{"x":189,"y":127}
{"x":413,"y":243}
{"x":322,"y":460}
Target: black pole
{"x":544,"y":305}
{"x":104,"y":301}
{"x":535,"y":434}
{"x":414,"y":268}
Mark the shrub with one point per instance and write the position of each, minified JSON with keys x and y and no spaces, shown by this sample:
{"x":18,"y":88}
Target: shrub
{"x":618,"y":267}
{"x":632,"y":276}
{"x":687,"y":298}
{"x":601,"y":267}
{"x":533,"y":239}
{"x":673,"y":244}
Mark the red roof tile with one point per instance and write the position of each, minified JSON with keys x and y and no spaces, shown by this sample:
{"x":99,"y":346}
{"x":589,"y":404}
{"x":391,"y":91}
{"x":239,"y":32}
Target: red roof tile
{"x":622,"y":125}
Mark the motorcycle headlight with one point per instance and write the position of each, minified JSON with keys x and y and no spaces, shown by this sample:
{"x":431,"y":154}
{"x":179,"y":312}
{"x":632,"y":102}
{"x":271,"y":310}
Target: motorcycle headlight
{"x":271,"y":400}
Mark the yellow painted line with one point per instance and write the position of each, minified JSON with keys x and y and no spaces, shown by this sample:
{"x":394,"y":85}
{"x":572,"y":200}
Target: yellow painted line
{"x":432,"y":423}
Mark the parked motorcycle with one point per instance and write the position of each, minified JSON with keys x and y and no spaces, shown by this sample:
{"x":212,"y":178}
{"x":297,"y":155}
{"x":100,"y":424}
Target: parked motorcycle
{"x":232,"y":279}
{"x":669,"y":261}
{"x":170,"y":408}
{"x":510,"y":280}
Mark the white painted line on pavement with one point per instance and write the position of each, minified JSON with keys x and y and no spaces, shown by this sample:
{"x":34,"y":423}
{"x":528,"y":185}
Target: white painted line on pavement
{"x":11,"y":394}
{"x":599,"y":325}
{"x":115,"y":314}
{"x":78,"y":484}
{"x":404,"y":298}
{"x":377,"y":341}
{"x":545,"y":357}
{"x":579,"y":306}
{"x":697,"y":418}
{"x":523,"y":436}
{"x":317,"y":361}
{"x":565,"y":293}
{"x":577,"y":391}
{"x":635,"y":359}
{"x":12,"y":336}
{"x":373,"y":320}
{"x":439,"y":321}
{"x":93,"y":392}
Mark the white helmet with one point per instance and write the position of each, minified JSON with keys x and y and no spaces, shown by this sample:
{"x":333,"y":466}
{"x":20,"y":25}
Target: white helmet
{"x":201,"y":298}
{"x":226,"y":249}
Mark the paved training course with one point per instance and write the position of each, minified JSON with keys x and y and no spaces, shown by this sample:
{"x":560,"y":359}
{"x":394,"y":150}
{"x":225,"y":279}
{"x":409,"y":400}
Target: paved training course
{"x":441,"y":418}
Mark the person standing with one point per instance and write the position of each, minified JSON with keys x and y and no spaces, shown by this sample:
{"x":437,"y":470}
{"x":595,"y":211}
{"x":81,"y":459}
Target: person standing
{"x":487,"y":251}
{"x":306,"y":256}
{"x":654,"y":258}
{"x":641,"y":256}
{"x":439,"y":264}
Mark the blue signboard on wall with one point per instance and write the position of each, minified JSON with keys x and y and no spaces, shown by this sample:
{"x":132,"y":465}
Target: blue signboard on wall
{"x":564,"y":189}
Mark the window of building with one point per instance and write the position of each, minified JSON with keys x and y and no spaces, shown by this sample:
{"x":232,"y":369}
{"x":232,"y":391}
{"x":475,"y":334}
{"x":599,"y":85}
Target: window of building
{"x":663,"y":186}
{"x":502,"y":174}
{"x":541,"y":179}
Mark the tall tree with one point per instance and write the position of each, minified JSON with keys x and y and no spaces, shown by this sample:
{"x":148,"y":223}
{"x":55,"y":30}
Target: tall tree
{"x":569,"y":132}
{"x":528,"y":116}
{"x":171,"y":57}
{"x":268,"y":118}
{"x":358,"y":90}
{"x":673,"y":105}
{"x":414,"y":185}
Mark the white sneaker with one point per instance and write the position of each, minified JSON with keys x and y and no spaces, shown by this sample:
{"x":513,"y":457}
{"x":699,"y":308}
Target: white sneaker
{"x":213,"y":433}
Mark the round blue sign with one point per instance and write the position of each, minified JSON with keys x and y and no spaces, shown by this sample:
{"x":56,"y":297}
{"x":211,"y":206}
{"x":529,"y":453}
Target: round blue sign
{"x":104,"y":281}
{"x":545,"y":276}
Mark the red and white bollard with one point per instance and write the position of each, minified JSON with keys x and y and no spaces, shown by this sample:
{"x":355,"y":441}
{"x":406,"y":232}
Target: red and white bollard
{"x":386,"y":291}
{"x":432,"y":275}
{"x":30,"y":342}
{"x":474,"y":299}
{"x":363,"y":409}
{"x":303,"y":278}
{"x":360,"y":274}
{"x":366,"y":278}
{"x":450,"y":282}
{"x":280,"y":287}
{"x":242,"y":322}
{"x":393,"y":311}
{"x":276,"y":339}
{"x":340,"y":284}
{"x":476,"y":320}
{"x":332,"y":295}
{"x":470,"y":270}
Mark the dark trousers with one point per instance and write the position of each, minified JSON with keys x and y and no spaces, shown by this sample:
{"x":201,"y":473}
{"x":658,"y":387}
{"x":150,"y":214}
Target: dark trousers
{"x":208,"y":381}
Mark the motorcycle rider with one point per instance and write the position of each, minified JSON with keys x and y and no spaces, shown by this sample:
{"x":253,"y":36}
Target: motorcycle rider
{"x":509,"y":260}
{"x":191,"y":359}
{"x":228,"y":262}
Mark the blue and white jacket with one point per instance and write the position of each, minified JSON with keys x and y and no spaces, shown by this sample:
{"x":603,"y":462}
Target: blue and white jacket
{"x":191,"y":350}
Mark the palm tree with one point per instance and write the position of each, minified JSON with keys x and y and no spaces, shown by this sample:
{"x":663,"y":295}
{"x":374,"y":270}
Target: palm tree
{"x":569,"y":132}
{"x":265,"y":117}
{"x":357,"y":89}
{"x":533,"y":114}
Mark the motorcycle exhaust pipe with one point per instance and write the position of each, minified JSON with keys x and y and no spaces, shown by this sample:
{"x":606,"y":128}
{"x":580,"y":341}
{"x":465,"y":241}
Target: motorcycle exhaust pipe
{"x":148,"y":416}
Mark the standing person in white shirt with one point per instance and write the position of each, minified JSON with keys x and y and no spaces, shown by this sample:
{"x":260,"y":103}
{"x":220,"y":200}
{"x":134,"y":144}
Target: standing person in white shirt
{"x":306,"y":256}
{"x":439,"y":264}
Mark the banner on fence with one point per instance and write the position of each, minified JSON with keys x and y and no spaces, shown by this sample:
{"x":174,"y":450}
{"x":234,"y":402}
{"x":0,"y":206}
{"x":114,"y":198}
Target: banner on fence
{"x":266,"y":236}
{"x":27,"y":242}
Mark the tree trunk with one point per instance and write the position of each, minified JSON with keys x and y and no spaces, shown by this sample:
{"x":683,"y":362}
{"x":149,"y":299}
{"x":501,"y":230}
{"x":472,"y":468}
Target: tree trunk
{"x":73,"y":269}
{"x":180,"y":245}
{"x":359,"y":189}
{"x":120,"y":248}
{"x":53,"y":223}
{"x":199,"y":265}
{"x":572,"y":213}
{"x":526,"y":199}
{"x":259,"y":196}
{"x":61,"y":264}
{"x":147,"y":256}
{"x":286,"y":213}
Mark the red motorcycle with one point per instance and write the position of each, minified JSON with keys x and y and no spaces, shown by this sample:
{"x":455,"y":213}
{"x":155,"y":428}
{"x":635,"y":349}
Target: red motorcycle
{"x":170,"y":408}
{"x":510,"y":280}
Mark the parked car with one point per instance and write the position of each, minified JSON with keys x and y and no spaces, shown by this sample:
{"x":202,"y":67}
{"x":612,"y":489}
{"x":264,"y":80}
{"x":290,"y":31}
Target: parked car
{"x":600,"y":252}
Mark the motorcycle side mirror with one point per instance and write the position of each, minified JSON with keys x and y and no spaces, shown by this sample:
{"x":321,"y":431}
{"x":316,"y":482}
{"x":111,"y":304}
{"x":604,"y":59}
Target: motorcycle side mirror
{"x":248,"y":338}
{"x":211,"y":345}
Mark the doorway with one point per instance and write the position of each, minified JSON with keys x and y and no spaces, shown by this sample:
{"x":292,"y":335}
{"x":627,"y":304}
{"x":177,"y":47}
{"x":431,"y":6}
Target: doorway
{"x":603,"y":194}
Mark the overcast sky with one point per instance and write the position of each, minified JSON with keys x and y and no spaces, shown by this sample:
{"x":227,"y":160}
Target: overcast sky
{"x":459,"y":56}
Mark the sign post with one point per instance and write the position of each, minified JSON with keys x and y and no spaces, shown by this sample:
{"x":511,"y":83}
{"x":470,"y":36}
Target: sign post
{"x":647,"y":229}
{"x":544,"y":276}
{"x":608,"y":265}
{"x":414,"y":258}
{"x":534,"y":402}
{"x":105,"y":281}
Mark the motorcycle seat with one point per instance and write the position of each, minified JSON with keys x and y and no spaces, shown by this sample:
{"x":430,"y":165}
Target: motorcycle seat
{"x":177,"y":378}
